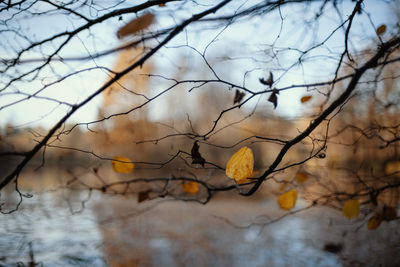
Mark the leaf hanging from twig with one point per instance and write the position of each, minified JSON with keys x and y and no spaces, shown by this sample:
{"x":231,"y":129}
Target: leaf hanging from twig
{"x":136,"y":25}
{"x":240,"y":165}
{"x":196,"y":157}
{"x":238,"y":97}
{"x":269,"y":81}
{"x":273,"y":98}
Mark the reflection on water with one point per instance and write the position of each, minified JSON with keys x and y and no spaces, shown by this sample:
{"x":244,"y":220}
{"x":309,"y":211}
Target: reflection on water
{"x":116,"y":231}
{"x":45,"y":228}
{"x":184,"y":234}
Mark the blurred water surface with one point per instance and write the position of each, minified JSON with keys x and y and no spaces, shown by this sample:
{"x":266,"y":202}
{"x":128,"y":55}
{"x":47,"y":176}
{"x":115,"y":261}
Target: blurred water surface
{"x":62,"y":228}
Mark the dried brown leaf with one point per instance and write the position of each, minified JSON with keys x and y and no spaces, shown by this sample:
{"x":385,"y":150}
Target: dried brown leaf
{"x":196,"y":156}
{"x":238,"y":97}
{"x":273,"y":98}
{"x":136,"y":25}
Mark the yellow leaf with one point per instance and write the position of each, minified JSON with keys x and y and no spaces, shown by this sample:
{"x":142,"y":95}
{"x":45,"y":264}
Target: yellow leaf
{"x":305,"y":98}
{"x":374,"y":222}
{"x":191,"y":187}
{"x":351,"y":208}
{"x":301,"y":177}
{"x":287,"y":200}
{"x":240,"y":165}
{"x":381,"y":29}
{"x":122,"y":164}
{"x":136,"y":25}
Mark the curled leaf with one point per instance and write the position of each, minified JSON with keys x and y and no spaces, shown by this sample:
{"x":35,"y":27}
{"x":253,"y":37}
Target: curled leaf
{"x":191,"y":187}
{"x":162,"y":5}
{"x":381,"y":29}
{"x":122,"y":164}
{"x":136,"y":25}
{"x":374,"y":222}
{"x":240,"y":165}
{"x":238,"y":97}
{"x":287,"y":200}
{"x":269,"y":81}
{"x":196,"y":156}
{"x":305,"y":98}
{"x":301,"y":177}
{"x":273,"y":98}
{"x":351,"y":208}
